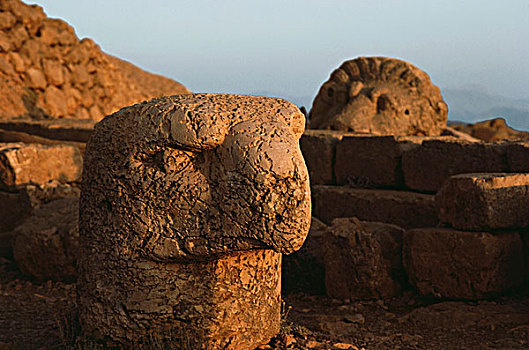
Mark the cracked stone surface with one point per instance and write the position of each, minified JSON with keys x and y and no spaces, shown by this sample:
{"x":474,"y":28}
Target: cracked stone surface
{"x":447,"y":263}
{"x":379,"y":95}
{"x":484,"y":201}
{"x":173,"y":189}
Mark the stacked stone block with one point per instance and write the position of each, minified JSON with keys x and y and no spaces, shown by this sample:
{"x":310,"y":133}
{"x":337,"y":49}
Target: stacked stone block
{"x":482,"y":253}
{"x":39,"y":189}
{"x":465,"y":233}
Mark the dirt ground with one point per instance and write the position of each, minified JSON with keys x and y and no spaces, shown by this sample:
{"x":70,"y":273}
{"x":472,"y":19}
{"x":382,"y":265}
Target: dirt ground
{"x":39,"y":316}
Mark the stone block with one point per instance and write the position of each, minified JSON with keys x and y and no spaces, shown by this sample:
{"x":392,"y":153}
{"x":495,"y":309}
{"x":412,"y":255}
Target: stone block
{"x":484,"y":201}
{"x":16,"y":207}
{"x":77,"y":130}
{"x":17,"y":136}
{"x":303,"y":271}
{"x":426,"y":168}
{"x":517,"y":155}
{"x":363,"y":260}
{"x":231,"y":300}
{"x":319,"y":151}
{"x":46,"y":244}
{"x":23,"y":164}
{"x":446,"y":263}
{"x":401,"y":208}
{"x":367,"y":161}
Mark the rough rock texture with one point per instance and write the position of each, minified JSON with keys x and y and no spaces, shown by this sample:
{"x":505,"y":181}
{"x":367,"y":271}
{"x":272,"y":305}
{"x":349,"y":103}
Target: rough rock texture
{"x":517,"y":154}
{"x":46,"y":244}
{"x":426,"y":168}
{"x":401,"y":208}
{"x":169,"y":187}
{"x":362,"y":260}
{"x":445,"y":263}
{"x":17,"y":137}
{"x":484,"y":201}
{"x":492,"y":130}
{"x":379,"y":95}
{"x":372,"y":161}
{"x":76,"y":130}
{"x":45,"y":71}
{"x":23,"y":164}
{"x":17,"y":206}
{"x":303,"y":271}
{"x":13,"y":209}
{"x":449,"y":131}
{"x":319,"y":151}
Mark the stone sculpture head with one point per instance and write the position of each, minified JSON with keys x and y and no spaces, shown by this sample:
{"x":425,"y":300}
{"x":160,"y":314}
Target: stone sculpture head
{"x":379,"y":95}
{"x":191,"y":177}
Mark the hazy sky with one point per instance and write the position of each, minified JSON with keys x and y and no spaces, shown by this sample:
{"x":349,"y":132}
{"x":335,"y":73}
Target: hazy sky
{"x":288,"y":48}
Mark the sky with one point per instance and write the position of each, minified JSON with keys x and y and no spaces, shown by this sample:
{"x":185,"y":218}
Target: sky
{"x":288,"y":48}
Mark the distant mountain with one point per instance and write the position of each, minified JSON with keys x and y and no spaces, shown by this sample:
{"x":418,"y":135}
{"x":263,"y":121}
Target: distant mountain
{"x":471,"y":106}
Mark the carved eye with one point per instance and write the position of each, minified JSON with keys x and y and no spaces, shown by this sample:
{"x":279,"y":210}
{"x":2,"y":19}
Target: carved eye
{"x":169,"y":161}
{"x":174,"y":161}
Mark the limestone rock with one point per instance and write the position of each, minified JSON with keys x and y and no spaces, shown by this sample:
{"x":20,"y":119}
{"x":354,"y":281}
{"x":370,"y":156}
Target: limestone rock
{"x":517,"y":154}
{"x":17,"y":137}
{"x":22,"y":164}
{"x":484,"y":201}
{"x":379,"y":95}
{"x":46,"y":244}
{"x":446,"y":263}
{"x":172,"y":189}
{"x":363,"y":260}
{"x":401,"y":208}
{"x":449,"y":131}
{"x":76,"y":130}
{"x":426,"y":168}
{"x":15,"y":207}
{"x":319,"y":151}
{"x":372,"y":161}
{"x":42,"y":60}
{"x":303,"y":271}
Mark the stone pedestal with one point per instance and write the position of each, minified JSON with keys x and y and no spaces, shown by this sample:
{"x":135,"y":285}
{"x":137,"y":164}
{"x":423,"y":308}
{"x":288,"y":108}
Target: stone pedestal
{"x":233,"y":302}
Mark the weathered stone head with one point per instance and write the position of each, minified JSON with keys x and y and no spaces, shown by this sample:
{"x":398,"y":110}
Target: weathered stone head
{"x":379,"y":95}
{"x":172,"y":188}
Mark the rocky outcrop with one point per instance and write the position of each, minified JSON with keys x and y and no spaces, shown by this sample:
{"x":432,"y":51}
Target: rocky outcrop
{"x":491,"y":130}
{"x":379,"y":95}
{"x":187,"y":202}
{"x":46,"y":71}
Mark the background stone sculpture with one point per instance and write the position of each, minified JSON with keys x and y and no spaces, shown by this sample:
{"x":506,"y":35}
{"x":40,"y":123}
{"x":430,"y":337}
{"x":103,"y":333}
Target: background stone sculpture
{"x":379,"y":95}
{"x":187,"y":202}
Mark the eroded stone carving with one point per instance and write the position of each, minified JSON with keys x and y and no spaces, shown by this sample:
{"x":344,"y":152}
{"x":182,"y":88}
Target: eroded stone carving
{"x":379,"y":95}
{"x":173,"y":190}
